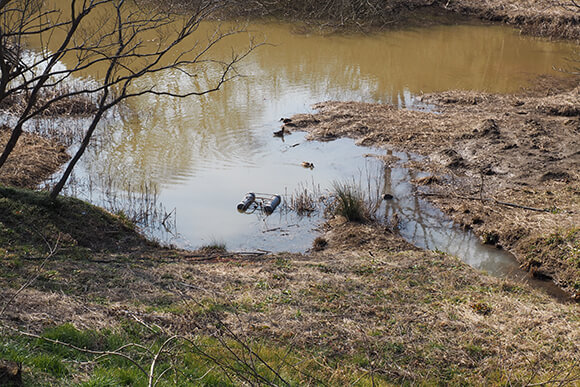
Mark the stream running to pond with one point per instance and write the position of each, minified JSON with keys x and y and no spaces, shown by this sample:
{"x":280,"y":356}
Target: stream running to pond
{"x":198,"y":157}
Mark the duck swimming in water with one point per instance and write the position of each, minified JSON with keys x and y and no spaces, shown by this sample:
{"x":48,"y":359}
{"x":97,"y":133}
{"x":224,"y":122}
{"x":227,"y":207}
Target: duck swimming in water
{"x":288,"y":122}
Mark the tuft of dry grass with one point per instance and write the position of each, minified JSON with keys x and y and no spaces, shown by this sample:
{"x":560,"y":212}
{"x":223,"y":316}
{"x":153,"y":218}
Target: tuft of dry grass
{"x":303,"y":202}
{"x":319,"y":244}
{"x":349,"y":203}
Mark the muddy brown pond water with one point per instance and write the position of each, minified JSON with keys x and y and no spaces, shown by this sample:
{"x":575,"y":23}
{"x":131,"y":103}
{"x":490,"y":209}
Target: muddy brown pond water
{"x":199,"y":157}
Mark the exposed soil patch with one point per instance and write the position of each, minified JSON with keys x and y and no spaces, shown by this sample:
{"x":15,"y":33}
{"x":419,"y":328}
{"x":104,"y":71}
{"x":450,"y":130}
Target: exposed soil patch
{"x":517,"y":149}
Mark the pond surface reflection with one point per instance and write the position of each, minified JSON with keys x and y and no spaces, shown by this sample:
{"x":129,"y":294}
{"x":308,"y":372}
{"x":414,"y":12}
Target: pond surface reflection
{"x":201,"y":155}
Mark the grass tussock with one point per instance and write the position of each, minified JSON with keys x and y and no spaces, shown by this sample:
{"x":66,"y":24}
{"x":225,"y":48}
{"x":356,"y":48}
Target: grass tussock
{"x":33,"y":160}
{"x":215,"y":247}
{"x":304,"y":202}
{"x":350,"y":203}
{"x":353,"y":202}
{"x":319,"y":244}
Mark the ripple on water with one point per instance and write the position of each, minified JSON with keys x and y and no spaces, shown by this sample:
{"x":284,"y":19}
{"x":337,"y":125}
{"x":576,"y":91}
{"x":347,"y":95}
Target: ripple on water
{"x":208,"y":152}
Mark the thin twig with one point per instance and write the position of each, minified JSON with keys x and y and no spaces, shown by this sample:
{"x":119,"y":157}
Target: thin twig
{"x":52,"y":251}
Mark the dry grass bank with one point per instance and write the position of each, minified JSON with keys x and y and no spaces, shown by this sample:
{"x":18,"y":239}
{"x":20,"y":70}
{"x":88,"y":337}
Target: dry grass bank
{"x":34,"y":160}
{"x":370,"y":304}
{"x":558,"y":19}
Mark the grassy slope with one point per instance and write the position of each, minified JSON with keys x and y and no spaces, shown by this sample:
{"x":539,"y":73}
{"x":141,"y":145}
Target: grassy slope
{"x":369,"y":308}
{"x":381,"y":313}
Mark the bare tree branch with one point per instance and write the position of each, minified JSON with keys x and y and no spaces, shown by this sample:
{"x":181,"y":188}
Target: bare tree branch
{"x":97,"y":33}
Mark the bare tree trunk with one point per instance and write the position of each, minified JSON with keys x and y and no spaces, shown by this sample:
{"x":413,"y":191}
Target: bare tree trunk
{"x":118,"y":44}
{"x":32,"y":99}
{"x":73,"y":162}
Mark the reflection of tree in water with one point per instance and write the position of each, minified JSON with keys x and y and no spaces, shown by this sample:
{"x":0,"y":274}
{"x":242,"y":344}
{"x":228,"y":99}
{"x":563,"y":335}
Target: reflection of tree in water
{"x":168,"y":140}
{"x":427,"y":227}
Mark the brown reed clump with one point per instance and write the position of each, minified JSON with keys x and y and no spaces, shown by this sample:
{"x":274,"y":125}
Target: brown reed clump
{"x":73,"y":106}
{"x":303,"y":202}
{"x":33,"y":160}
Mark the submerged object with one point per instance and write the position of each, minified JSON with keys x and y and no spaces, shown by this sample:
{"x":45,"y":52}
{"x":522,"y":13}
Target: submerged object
{"x":246,"y":202}
{"x":271,"y":204}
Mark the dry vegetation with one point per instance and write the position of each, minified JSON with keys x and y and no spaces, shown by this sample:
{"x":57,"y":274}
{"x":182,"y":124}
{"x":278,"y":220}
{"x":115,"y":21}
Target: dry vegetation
{"x":365,"y":307}
{"x":79,"y":105}
{"x":519,"y":149}
{"x":370,"y":304}
{"x":368,"y":308}
{"x":33,"y":161}
{"x":551,"y":18}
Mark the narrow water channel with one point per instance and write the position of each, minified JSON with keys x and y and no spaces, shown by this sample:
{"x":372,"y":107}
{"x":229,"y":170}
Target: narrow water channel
{"x":425,"y":226}
{"x":201,"y":155}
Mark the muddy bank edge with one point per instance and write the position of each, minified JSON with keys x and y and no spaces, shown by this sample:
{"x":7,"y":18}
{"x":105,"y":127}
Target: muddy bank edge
{"x":506,"y":166}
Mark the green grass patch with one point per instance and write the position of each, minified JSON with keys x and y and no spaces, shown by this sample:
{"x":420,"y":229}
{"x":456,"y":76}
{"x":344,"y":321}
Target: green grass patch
{"x":31,"y":222}
{"x":221,"y":360}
